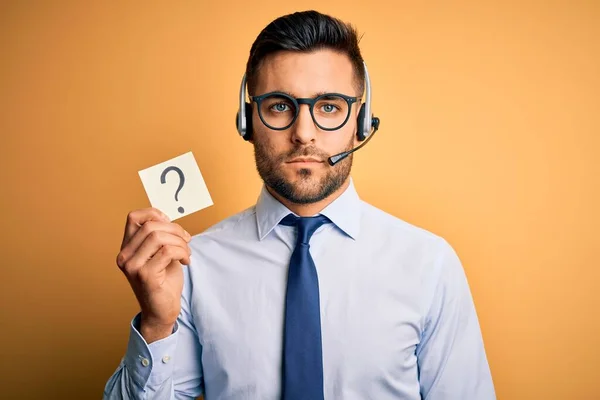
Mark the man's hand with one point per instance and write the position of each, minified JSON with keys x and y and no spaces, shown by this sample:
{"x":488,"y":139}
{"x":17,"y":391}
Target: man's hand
{"x":150,"y":258}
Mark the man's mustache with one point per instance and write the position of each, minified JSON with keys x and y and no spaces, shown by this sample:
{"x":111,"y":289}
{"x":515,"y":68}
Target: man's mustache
{"x":305,"y":152}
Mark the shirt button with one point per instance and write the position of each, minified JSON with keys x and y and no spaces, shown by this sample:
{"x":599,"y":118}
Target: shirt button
{"x":166,"y":359}
{"x":145,"y":362}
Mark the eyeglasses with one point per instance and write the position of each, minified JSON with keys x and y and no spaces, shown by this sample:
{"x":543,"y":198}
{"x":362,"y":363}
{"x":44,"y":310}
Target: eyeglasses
{"x":279,"y":111}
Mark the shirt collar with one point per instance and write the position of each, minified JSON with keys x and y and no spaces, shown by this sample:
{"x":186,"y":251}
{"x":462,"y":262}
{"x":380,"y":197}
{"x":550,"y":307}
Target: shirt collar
{"x":344,"y":212}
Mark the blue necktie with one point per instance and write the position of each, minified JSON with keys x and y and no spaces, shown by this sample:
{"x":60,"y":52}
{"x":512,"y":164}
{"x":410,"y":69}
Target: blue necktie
{"x":302,"y":351}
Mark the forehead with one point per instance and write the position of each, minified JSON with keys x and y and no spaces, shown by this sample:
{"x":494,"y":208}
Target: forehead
{"x":306,"y":74}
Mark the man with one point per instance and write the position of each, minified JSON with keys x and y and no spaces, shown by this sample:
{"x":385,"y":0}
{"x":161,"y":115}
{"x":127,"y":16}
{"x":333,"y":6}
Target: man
{"x":311,"y":293}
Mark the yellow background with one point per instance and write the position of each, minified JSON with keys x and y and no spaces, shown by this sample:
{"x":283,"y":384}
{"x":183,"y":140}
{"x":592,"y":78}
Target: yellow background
{"x":489,"y":137}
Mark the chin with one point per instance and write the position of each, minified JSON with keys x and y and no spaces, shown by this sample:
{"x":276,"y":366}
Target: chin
{"x":303,"y":176}
{"x":303,"y":184}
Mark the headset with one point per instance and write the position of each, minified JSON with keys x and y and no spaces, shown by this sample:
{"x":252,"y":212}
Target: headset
{"x":367,"y":126}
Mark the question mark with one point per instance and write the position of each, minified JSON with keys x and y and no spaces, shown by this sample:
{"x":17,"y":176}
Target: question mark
{"x":181,"y":182}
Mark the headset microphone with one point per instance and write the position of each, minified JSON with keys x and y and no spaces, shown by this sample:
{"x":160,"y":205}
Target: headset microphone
{"x":339,"y":157}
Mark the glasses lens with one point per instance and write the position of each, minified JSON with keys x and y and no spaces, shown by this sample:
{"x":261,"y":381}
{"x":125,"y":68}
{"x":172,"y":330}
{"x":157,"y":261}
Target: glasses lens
{"x":277,"y":111}
{"x":331,"y":111}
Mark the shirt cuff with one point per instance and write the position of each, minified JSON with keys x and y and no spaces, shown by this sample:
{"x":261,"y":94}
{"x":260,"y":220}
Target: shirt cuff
{"x":150,"y":364}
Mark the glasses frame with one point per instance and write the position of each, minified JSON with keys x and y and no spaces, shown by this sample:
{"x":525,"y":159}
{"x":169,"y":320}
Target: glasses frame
{"x":303,"y":100}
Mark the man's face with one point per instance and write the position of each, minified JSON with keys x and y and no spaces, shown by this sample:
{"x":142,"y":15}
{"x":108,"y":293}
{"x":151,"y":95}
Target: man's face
{"x":293,"y":162}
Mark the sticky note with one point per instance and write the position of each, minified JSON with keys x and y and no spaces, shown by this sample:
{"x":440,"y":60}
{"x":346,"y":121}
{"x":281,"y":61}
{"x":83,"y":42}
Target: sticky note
{"x":176,"y":187}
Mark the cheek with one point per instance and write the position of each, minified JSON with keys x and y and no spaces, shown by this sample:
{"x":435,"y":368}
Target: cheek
{"x":338,"y":140}
{"x":256,"y":122}
{"x":272,"y":144}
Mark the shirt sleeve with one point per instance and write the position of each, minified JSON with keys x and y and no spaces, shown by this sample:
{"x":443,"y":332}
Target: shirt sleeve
{"x":169,"y":368}
{"x":451,"y":355}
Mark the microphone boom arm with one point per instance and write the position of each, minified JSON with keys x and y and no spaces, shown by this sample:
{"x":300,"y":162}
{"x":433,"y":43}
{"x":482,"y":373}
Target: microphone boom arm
{"x":339,"y":157}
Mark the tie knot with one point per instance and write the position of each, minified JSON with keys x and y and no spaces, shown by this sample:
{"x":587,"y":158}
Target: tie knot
{"x":306,"y":225}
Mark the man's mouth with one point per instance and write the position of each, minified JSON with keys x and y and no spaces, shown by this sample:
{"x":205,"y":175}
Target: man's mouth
{"x":304,"y":160}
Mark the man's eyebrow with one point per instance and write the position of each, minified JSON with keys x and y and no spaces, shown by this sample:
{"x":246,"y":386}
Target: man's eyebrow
{"x":317,"y":94}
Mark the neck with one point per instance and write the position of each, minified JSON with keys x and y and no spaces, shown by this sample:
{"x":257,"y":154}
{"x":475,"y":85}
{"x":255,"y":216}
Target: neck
{"x":308,"y":210}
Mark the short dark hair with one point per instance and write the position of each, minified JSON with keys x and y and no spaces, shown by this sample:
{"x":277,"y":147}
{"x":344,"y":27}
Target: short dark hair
{"x":305,"y":31}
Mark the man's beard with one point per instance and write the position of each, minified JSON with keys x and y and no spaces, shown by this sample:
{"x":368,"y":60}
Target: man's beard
{"x":302,"y":192}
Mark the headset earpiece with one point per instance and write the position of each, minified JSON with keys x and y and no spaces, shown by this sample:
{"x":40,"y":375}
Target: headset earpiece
{"x":360,"y":123}
{"x":245,"y":119}
{"x":248,"y":134}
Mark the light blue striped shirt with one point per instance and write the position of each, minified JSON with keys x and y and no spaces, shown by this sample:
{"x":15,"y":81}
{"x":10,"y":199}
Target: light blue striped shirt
{"x":398,"y":319}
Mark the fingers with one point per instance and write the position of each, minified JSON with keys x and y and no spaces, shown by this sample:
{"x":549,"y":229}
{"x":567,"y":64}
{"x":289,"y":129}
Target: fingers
{"x":158,"y":234}
{"x":154,"y":242}
{"x":137,"y":218}
{"x":152,"y":226}
{"x":163,"y":258}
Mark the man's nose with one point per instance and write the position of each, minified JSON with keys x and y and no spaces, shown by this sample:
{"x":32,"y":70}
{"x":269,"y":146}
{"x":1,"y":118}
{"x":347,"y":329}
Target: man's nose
{"x":304,"y":129}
